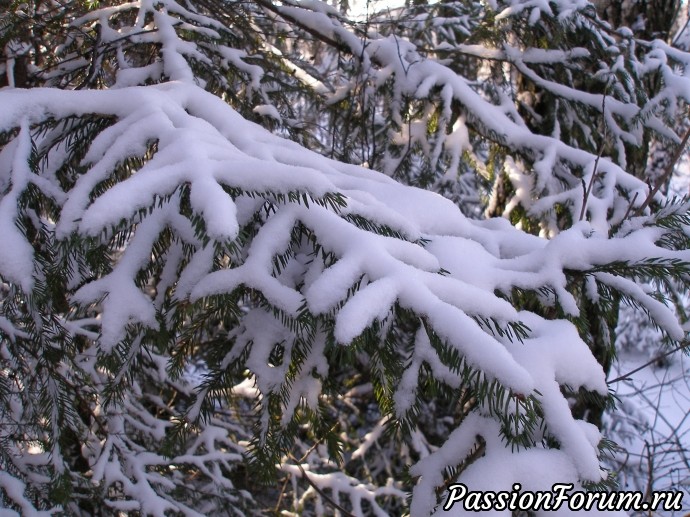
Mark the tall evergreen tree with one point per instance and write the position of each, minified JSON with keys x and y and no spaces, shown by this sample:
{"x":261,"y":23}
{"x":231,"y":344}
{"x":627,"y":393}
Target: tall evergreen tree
{"x":191,"y":302}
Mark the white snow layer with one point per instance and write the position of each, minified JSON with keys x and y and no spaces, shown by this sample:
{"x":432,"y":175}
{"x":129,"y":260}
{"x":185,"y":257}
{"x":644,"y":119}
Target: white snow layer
{"x":203,"y":143}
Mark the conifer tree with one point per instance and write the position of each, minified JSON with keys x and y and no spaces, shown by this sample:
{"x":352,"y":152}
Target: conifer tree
{"x":192,"y":302}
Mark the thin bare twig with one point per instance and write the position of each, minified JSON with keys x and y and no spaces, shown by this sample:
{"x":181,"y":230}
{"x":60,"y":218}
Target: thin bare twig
{"x":627,"y":212}
{"x":587,"y":191}
{"x":627,"y":375}
{"x":666,"y":175}
{"x":323,"y":494}
{"x":280,"y":496}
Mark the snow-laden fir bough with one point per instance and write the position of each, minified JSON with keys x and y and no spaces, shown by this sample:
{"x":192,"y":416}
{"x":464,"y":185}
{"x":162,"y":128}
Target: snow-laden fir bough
{"x":190,"y":301}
